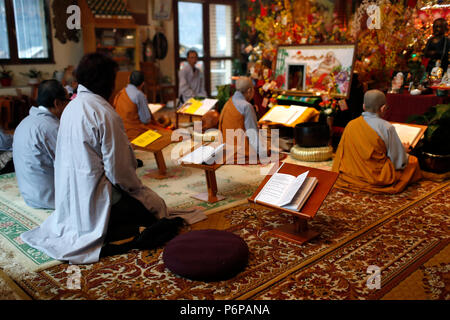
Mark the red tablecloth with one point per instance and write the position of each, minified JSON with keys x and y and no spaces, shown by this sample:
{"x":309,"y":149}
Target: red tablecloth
{"x":401,"y":106}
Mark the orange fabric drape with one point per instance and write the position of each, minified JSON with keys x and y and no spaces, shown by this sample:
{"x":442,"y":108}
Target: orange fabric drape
{"x":231,"y":119}
{"x":363,"y":165}
{"x":128,"y":111}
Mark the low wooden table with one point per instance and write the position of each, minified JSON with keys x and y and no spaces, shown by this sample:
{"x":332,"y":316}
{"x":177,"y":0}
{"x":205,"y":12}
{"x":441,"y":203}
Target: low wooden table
{"x":156,"y":147}
{"x":211,"y":195}
{"x":299,"y":232}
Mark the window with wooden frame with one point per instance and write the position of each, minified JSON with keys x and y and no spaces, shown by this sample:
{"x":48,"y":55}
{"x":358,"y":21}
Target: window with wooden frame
{"x":26,"y":32}
{"x":207,"y":27}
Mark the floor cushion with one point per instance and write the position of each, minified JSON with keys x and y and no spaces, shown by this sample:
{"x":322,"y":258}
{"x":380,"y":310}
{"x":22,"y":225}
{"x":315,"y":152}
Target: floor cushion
{"x":206,"y":255}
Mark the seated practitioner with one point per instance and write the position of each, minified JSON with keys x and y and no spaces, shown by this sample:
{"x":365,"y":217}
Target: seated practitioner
{"x":132,"y":106}
{"x":192,"y":80}
{"x":6,"y":157}
{"x":238,"y":124}
{"x":99,"y":199}
{"x":34,"y":146}
{"x":370,"y":156}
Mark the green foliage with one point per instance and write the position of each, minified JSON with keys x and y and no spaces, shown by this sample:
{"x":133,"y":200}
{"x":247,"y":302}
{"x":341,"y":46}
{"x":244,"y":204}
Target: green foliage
{"x":5,"y":74}
{"x":224,"y":93}
{"x":33,"y":74}
{"x":437,"y":135}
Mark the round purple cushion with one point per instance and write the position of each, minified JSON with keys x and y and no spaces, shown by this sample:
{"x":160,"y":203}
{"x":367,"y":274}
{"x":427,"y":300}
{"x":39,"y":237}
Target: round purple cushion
{"x":206,"y":255}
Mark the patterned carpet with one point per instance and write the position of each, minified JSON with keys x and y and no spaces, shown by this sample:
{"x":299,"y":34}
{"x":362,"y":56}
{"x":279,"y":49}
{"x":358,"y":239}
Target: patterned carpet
{"x":357,"y":230}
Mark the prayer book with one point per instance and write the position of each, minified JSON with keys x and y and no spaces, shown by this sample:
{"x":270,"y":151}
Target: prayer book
{"x":284,"y":115}
{"x":197,"y":107}
{"x":409,"y":133}
{"x":205,"y":154}
{"x":155,"y":107}
{"x":146,"y":138}
{"x":287,"y":191}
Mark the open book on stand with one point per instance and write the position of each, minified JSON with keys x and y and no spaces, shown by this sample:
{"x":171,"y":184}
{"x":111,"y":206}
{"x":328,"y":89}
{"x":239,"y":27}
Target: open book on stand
{"x":409,"y":133}
{"x":205,"y":154}
{"x":283,"y":114}
{"x":287,"y":191}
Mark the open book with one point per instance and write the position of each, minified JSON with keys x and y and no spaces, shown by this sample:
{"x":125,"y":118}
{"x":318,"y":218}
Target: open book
{"x":155,"y":107}
{"x":204,"y":154}
{"x":287,"y":191}
{"x":409,"y":134}
{"x":197,"y":107}
{"x":146,"y":138}
{"x":284,"y":115}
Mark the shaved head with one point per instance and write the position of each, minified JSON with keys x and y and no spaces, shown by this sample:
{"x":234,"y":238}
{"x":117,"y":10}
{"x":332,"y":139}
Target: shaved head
{"x":243,"y":84}
{"x":374,"y":100}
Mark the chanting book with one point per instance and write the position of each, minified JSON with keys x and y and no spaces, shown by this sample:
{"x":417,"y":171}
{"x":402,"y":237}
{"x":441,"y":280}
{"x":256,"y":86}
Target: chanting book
{"x":287,"y":191}
{"x":283,"y":115}
{"x":203,"y":154}
{"x":146,"y":138}
{"x":155,"y":107}
{"x":409,"y":133}
{"x":197,"y":107}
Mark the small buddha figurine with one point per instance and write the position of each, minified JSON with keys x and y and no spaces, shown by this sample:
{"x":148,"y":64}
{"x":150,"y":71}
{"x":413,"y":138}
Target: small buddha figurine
{"x":436,"y":73}
{"x":446,"y":79}
{"x":397,"y":82}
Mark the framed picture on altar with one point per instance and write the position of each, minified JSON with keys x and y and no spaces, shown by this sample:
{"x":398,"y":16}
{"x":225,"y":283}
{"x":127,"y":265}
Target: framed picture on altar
{"x":324,"y":69}
{"x":296,"y":77}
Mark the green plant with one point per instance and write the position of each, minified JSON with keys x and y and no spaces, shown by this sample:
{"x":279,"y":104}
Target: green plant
{"x":224,"y":93}
{"x":6,"y":74}
{"x":436,"y":138}
{"x":32,"y":74}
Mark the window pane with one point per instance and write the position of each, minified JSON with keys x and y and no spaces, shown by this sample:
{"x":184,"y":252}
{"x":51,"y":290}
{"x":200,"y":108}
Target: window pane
{"x":220,"y":74}
{"x":190,"y":27}
{"x":31,"y":32}
{"x":221,"y":29}
{"x":4,"y":44}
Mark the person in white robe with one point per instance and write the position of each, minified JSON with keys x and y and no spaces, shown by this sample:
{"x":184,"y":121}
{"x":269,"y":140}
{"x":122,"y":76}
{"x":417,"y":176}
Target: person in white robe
{"x":95,"y":171}
{"x":34,"y":146}
{"x":191,"y":79}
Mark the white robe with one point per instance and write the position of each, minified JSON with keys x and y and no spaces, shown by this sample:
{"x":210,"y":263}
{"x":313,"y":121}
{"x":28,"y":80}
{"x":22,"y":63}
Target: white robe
{"x":92,"y":155}
{"x":34,"y":147}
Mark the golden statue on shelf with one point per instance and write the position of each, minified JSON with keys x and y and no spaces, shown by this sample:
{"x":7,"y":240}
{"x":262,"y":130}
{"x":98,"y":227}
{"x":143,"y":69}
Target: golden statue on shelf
{"x":436,"y":73}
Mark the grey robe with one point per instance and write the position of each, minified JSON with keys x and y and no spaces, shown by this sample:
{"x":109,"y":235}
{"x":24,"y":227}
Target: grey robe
{"x":92,"y":155}
{"x":34,"y":147}
{"x":192,"y":84}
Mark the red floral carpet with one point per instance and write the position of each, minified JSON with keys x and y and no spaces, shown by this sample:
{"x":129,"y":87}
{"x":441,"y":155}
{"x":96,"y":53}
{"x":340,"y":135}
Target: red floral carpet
{"x":360,"y":229}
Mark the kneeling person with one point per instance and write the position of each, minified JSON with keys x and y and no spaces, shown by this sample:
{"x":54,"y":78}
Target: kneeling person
{"x":370,"y":156}
{"x":34,"y":146}
{"x":132,"y":106}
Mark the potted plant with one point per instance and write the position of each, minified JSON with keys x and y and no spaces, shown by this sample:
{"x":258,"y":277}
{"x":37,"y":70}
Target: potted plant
{"x":433,"y":151}
{"x":6,"y":77}
{"x":34,"y":76}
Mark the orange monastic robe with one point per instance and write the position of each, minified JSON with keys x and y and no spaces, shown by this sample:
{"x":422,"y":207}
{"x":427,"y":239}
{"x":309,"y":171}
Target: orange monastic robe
{"x":128,"y":111}
{"x":363,"y":165}
{"x":231,"y":119}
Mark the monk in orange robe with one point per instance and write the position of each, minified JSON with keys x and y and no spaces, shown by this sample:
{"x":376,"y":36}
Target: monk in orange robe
{"x":370,"y":156}
{"x":132,"y":106}
{"x":238,"y":125}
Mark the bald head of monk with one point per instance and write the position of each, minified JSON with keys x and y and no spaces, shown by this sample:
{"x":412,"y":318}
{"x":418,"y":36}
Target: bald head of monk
{"x":245,"y":86}
{"x":374,"y":101}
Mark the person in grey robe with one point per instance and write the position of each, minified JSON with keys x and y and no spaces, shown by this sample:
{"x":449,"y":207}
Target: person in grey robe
{"x":191,"y":79}
{"x":35,"y":144}
{"x":99,"y":198}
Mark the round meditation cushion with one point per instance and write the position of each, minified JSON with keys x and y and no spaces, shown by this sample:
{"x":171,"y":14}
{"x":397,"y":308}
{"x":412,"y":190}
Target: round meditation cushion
{"x":312,"y":154}
{"x":206,"y":255}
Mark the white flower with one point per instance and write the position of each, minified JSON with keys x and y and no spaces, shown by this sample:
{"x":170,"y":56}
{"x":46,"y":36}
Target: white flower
{"x":328,"y":111}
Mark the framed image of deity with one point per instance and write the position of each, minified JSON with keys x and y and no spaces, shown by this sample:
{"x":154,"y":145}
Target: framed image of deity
{"x":316,"y":69}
